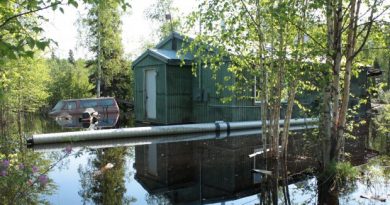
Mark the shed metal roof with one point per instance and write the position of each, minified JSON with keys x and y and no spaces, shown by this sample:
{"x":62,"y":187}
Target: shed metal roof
{"x":164,"y":55}
{"x":170,"y":37}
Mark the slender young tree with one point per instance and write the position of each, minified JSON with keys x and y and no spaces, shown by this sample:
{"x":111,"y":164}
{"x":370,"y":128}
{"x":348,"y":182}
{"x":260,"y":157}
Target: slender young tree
{"x":255,"y":40}
{"x":347,"y":24}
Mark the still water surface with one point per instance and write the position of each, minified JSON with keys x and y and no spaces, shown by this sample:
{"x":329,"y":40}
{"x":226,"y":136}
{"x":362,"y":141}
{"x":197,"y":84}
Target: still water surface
{"x":213,"y":171}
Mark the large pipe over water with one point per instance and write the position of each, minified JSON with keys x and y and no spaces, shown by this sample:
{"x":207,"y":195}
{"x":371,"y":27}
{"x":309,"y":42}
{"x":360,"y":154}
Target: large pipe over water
{"x":217,"y":127}
{"x":145,"y":140}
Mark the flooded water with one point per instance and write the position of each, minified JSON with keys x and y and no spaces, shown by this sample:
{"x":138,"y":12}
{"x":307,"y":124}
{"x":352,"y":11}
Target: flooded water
{"x":186,"y":169}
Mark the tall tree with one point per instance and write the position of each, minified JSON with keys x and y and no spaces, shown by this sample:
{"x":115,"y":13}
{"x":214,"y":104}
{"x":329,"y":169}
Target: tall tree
{"x":71,"y":59}
{"x":348,"y":27}
{"x":348,"y":23}
{"x":105,"y":41}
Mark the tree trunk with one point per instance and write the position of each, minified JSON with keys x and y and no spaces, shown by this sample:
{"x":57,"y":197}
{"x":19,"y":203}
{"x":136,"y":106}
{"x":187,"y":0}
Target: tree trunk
{"x":327,"y":193}
{"x":335,"y":90}
{"x":326,"y":120}
{"x":263,"y":83}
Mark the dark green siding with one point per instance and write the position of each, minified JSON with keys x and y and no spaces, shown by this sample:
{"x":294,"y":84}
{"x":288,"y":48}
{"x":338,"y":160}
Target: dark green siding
{"x":211,"y":108}
{"x":179,"y":95}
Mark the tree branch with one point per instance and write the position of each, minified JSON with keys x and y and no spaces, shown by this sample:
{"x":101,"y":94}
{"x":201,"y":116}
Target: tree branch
{"x":343,"y":15}
{"x":368,"y":26}
{"x":6,"y":21}
{"x":310,"y":36}
{"x":247,"y":11}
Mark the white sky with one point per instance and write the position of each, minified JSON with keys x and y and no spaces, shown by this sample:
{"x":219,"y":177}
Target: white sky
{"x":62,"y":28}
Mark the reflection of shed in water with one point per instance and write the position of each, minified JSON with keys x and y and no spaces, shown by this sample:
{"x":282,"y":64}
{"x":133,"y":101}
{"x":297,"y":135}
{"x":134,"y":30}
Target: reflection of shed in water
{"x":164,"y":167}
{"x":198,"y":172}
{"x":209,"y":170}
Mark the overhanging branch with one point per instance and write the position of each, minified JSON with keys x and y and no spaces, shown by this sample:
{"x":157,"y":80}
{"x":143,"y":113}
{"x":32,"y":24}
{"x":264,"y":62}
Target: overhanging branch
{"x":6,"y":21}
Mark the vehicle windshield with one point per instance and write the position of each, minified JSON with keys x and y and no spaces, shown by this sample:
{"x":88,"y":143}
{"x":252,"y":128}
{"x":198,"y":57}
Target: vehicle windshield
{"x":106,"y":102}
{"x":59,"y":105}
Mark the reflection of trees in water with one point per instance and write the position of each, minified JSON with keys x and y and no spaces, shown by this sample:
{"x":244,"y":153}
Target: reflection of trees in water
{"x":272,"y":190}
{"x":103,"y":178}
{"x":157,"y":199}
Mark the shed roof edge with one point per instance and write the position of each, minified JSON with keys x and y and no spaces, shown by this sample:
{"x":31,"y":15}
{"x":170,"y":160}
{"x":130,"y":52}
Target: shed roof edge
{"x":145,"y":54}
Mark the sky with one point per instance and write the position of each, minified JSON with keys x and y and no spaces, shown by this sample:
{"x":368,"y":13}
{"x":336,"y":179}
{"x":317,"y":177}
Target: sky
{"x":136,"y":29}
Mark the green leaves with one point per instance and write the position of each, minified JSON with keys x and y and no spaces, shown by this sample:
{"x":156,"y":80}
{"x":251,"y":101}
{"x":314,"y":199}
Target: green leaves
{"x":20,"y":24}
{"x":26,"y":81}
{"x":69,"y":79}
{"x":104,"y":40}
{"x":42,"y":44}
{"x":74,"y":3}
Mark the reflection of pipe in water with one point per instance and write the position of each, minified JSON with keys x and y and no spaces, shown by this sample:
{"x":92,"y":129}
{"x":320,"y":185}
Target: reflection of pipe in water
{"x":216,"y":127}
{"x":145,"y":140}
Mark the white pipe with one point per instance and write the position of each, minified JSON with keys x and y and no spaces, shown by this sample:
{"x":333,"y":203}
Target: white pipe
{"x":126,"y":142}
{"x":153,"y":131}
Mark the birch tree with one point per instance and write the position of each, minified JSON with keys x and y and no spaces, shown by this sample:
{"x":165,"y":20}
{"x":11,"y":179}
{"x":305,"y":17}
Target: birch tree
{"x":349,"y":26}
{"x":257,"y":39}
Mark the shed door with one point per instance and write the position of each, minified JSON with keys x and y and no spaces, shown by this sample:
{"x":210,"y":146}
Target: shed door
{"x":150,"y":98}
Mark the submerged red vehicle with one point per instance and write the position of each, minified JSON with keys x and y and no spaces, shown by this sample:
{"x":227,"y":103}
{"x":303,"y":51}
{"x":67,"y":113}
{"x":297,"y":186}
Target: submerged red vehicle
{"x":103,"y":106}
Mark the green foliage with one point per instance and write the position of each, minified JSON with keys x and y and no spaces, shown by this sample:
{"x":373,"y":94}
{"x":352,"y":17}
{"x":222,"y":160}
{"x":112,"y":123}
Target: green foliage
{"x":20,"y":24}
{"x":377,"y":51}
{"x":381,"y":125}
{"x":242,"y":34}
{"x":29,"y":84}
{"x":24,"y":83}
{"x":345,"y":172}
{"x":69,"y":80}
{"x":385,"y":97}
{"x":166,"y":15}
{"x":25,"y":178}
{"x":342,"y":173}
{"x":104,"y":40}
{"x":19,"y":28}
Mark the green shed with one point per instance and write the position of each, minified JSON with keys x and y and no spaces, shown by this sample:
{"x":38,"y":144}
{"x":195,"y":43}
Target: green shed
{"x":167,"y":92}
{"x":163,"y":87}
